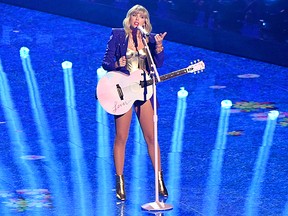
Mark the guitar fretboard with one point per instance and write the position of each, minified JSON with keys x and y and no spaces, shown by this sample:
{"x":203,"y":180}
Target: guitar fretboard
{"x":191,"y":69}
{"x":173,"y":74}
{"x":165,"y":77}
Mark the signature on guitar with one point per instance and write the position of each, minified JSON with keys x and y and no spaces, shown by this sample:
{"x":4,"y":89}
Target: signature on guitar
{"x":120,"y":105}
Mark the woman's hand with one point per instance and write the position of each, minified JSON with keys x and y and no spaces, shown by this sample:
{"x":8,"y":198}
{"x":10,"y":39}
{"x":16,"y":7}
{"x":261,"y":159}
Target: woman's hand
{"x":121,"y":62}
{"x":159,"y":38}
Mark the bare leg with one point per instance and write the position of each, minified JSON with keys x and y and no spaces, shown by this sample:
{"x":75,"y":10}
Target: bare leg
{"x":122,"y":125}
{"x":145,"y":115}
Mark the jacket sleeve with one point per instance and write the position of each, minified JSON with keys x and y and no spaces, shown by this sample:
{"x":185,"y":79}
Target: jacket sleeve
{"x":109,"y":59}
{"x":157,"y":57}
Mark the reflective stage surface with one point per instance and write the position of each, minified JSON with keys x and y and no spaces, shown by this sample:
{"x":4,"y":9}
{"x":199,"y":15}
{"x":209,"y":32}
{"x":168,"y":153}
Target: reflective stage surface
{"x":56,"y":140}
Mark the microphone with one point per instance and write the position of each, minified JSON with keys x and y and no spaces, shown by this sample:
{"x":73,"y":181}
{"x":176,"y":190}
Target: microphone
{"x":143,"y":31}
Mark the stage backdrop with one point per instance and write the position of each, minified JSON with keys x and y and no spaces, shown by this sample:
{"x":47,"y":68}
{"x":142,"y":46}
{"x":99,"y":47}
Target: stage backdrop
{"x":256,"y":29}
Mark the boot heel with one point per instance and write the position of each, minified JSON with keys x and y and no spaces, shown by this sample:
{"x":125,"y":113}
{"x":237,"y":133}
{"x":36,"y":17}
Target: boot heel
{"x":120,"y":189}
{"x":162,"y":189}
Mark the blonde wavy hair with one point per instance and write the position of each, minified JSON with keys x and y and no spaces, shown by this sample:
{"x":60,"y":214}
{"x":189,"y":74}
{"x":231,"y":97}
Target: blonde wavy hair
{"x":137,"y":9}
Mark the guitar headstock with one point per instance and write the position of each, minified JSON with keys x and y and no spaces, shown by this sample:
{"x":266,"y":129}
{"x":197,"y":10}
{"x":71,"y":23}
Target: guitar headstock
{"x":196,"y":67}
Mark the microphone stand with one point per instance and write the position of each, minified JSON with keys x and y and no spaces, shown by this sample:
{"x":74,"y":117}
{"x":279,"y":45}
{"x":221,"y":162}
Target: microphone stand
{"x":156,"y":205}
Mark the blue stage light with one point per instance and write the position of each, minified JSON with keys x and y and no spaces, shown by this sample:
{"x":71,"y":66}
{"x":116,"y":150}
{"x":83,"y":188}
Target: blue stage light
{"x":182,"y":93}
{"x":80,"y":181}
{"x":226,"y":104}
{"x":101,"y":72}
{"x":44,"y":133}
{"x":254,"y":193}
{"x":212,"y":191}
{"x":66,"y":65}
{"x":24,"y":52}
{"x":273,"y":114}
{"x":17,"y":135}
{"x":179,"y":122}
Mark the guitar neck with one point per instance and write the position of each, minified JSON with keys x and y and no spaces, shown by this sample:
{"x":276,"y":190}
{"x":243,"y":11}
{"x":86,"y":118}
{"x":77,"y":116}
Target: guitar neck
{"x":173,"y":74}
{"x":167,"y":76}
{"x":199,"y":66}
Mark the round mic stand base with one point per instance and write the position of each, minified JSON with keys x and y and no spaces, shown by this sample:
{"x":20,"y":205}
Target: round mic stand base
{"x":156,"y":206}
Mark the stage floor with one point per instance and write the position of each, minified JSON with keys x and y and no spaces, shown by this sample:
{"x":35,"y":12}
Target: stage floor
{"x":56,"y":140}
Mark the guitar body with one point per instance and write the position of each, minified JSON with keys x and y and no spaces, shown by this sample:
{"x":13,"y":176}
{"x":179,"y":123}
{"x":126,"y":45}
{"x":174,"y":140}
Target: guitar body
{"x":117,"y":91}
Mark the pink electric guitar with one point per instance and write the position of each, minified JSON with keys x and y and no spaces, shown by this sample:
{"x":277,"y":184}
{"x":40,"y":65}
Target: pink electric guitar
{"x":117,"y":91}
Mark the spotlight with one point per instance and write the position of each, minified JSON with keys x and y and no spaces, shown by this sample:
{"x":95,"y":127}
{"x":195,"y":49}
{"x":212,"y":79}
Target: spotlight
{"x":226,"y":104}
{"x":24,"y":52}
{"x":66,"y":65}
{"x":182,"y":93}
{"x":101,"y":72}
{"x":273,"y":114}
{"x":254,"y":193}
{"x":213,"y":186}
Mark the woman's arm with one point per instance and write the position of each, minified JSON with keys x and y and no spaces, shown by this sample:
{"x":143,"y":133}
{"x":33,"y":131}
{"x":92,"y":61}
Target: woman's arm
{"x":157,"y":50}
{"x":109,"y":59}
{"x":116,"y":48}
